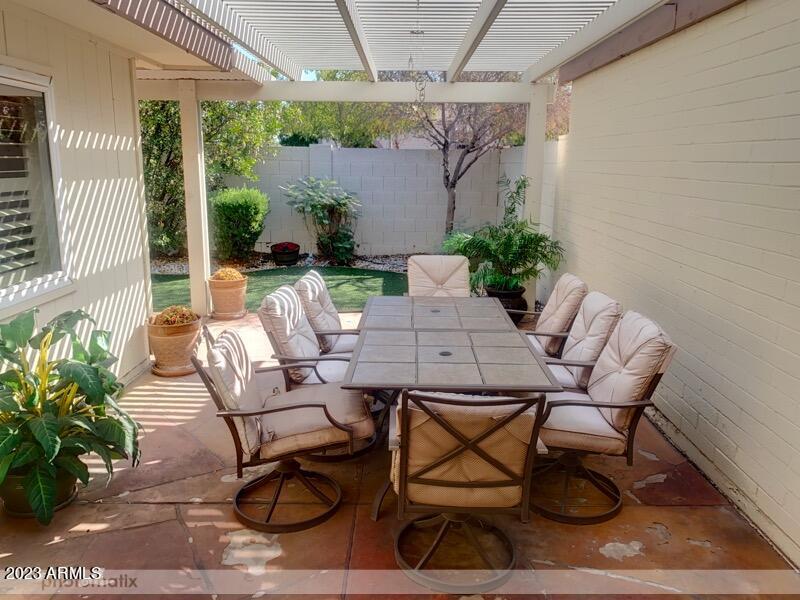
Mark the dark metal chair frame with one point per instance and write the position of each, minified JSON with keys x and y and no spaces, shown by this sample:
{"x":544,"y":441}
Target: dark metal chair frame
{"x":458,"y":516}
{"x":288,"y":466}
{"x":570,"y":463}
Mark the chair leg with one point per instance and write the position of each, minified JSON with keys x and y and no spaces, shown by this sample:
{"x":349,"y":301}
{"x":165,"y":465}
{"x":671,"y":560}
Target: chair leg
{"x":570,"y":466}
{"x":285,"y":471}
{"x":378,"y":500}
{"x":452,"y":579}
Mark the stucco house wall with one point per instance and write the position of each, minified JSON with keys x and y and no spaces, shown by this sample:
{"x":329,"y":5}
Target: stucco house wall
{"x":679,"y":194}
{"x":99,"y":195}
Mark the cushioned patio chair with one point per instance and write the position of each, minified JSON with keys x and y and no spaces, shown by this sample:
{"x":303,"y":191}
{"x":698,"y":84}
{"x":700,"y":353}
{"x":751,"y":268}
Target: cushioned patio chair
{"x":438,"y":275}
{"x":279,"y":428}
{"x":294,"y":340}
{"x":596,"y":319}
{"x":323,"y":316}
{"x":602,"y":420}
{"x":557,"y":315}
{"x":461,"y":457}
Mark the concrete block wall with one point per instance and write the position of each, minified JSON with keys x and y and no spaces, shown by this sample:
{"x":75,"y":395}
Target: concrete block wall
{"x":679,"y":194}
{"x":401,"y":193}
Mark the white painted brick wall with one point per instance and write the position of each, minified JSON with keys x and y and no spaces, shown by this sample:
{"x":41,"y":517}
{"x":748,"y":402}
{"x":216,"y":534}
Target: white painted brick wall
{"x":401,"y":193}
{"x":679,"y":194}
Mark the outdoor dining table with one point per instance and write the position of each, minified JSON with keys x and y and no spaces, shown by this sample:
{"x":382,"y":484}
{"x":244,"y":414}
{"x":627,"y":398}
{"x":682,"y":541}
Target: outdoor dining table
{"x":467,"y":345}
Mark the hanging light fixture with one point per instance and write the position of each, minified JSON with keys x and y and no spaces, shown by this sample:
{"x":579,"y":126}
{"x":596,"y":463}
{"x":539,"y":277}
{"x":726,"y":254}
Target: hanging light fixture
{"x":417,"y":44}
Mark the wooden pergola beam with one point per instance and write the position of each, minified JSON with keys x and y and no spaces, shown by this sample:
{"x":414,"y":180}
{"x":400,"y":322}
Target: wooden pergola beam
{"x":349,"y":12}
{"x":484,"y":18}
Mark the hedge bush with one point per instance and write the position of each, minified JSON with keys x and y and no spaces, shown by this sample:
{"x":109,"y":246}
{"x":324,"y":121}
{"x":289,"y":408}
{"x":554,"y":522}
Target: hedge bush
{"x":237,"y":217}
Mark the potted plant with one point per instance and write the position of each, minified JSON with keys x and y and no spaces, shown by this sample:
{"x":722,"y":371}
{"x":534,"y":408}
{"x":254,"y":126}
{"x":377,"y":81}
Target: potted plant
{"x":228,"y":289}
{"x":55,"y":411}
{"x":508,"y":254}
{"x":330,"y":213}
{"x":285,"y":254}
{"x":173,"y":335}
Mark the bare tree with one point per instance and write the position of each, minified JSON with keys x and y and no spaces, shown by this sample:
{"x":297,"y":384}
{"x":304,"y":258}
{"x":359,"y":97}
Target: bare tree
{"x":464,"y":133}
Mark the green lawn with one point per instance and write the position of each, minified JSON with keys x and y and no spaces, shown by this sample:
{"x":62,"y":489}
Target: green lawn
{"x":349,"y":288}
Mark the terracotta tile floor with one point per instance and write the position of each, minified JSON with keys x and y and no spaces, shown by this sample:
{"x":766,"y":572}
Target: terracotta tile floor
{"x":174,"y":512}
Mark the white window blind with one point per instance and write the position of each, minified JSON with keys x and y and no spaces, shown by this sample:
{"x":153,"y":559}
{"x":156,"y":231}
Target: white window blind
{"x":28,"y":229}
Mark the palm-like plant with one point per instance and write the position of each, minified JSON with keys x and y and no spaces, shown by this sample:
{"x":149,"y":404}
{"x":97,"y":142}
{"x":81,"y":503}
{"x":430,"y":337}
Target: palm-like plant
{"x":54,"y":411}
{"x":510,"y":253}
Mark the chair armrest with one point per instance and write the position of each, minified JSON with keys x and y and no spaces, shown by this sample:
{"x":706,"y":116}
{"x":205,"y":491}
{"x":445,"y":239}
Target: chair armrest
{"x":559,"y":334}
{"x":283,"y":367}
{"x":337,"y":332}
{"x":267,"y":411}
{"x":550,"y":360}
{"x":309,"y":359}
{"x":551,"y":404}
{"x":523,"y":312}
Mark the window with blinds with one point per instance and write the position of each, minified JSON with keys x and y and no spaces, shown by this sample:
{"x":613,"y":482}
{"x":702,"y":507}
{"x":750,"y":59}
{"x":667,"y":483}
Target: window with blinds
{"x":29,"y":245}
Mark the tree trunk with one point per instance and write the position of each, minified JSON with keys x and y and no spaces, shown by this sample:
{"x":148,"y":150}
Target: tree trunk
{"x":451,"y":209}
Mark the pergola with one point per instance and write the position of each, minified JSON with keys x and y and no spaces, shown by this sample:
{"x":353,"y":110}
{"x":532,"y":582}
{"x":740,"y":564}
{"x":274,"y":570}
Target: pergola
{"x":241,"y":43}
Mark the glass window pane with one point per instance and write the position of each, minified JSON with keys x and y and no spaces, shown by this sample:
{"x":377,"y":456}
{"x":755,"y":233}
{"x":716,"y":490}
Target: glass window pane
{"x":29,"y":244}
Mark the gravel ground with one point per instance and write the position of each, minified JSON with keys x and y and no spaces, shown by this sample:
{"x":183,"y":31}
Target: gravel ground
{"x":395,"y":263}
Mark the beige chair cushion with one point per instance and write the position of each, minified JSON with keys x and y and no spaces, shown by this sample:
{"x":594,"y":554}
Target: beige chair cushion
{"x":580,"y":428}
{"x":319,"y":308}
{"x":308,"y":428}
{"x":590,"y":331}
{"x":560,"y":310}
{"x":428,"y":441}
{"x":332,"y":371}
{"x":345,"y":344}
{"x":637,"y":350}
{"x":281,"y":314}
{"x":536,"y":344}
{"x":435,"y":275}
{"x":232,"y":373}
{"x":563,"y":375}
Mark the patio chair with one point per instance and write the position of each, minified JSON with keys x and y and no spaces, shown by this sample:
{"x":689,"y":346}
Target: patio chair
{"x":602,"y":420}
{"x":438,"y":275}
{"x":323,"y":316}
{"x":460,"y":457}
{"x":557,"y":315}
{"x":278,"y":429}
{"x":294,"y":340}
{"x":596,"y":319}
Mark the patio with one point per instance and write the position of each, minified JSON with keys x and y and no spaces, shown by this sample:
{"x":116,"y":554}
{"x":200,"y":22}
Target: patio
{"x":174,"y":511}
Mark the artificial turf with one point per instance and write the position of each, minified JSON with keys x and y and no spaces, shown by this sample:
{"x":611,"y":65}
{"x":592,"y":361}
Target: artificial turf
{"x":349,"y":287}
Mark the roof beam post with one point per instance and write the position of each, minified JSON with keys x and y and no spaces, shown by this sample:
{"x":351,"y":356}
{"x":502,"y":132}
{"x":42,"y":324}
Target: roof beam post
{"x":610,"y":22}
{"x":349,"y":12}
{"x":221,"y":16}
{"x":484,"y":17}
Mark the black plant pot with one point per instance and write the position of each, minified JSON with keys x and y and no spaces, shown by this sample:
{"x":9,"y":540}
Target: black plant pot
{"x":510,"y":299}
{"x":285,"y":256}
{"x":15,"y":500}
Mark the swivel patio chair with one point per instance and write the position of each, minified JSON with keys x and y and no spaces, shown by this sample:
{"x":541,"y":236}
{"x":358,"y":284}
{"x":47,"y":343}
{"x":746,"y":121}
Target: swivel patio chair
{"x":462,"y":457}
{"x":438,"y":275}
{"x":294,"y":340}
{"x":596,"y":319}
{"x":557,"y":315}
{"x":602,"y":420}
{"x":279,"y":429}
{"x":323,"y":316}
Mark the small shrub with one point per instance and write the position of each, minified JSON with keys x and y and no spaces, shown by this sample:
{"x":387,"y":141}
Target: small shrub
{"x":237,"y":215}
{"x":330,"y":212}
{"x":176,"y":315}
{"x":227,"y":274}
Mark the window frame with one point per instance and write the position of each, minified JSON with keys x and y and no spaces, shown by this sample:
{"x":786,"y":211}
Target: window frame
{"x":26,"y":294}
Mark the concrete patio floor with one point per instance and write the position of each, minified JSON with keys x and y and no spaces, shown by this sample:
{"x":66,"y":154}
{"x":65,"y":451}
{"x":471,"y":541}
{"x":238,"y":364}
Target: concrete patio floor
{"x":174,"y":511}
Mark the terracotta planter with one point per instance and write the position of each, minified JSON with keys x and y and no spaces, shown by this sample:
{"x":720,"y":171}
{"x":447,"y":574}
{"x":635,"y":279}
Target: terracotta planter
{"x":510,"y":299}
{"x":173,"y":345}
{"x":15,"y":502}
{"x":228,"y":298}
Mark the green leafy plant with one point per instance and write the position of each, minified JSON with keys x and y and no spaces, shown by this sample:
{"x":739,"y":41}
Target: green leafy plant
{"x":330,"y":212}
{"x":508,"y":254}
{"x":54,"y":411}
{"x":237,"y":216}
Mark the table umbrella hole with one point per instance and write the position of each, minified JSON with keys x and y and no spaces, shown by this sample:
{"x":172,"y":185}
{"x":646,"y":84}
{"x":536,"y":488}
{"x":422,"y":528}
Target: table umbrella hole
{"x":445,"y":353}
